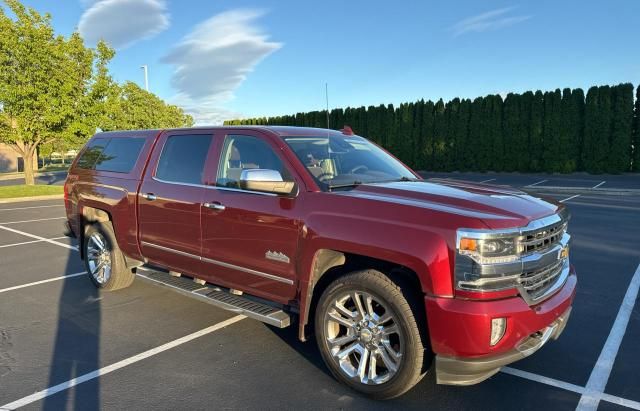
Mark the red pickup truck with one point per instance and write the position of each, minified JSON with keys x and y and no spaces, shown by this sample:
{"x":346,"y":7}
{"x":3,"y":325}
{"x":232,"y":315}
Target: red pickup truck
{"x":393,"y":274}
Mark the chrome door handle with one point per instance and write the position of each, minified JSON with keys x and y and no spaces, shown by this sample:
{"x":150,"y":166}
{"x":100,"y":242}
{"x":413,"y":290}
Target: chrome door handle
{"x":149,"y":196}
{"x":214,"y":206}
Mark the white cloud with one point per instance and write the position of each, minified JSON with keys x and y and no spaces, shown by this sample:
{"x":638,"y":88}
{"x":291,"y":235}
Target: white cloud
{"x":491,"y":20}
{"x":212,"y":61}
{"x":122,"y":22}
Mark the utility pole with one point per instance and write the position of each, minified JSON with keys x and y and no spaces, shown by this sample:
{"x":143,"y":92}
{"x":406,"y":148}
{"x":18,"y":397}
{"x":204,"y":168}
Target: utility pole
{"x":146,"y":76}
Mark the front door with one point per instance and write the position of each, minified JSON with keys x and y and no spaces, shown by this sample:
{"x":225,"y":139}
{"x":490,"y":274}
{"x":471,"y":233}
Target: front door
{"x":249,"y":239}
{"x":170,"y":201}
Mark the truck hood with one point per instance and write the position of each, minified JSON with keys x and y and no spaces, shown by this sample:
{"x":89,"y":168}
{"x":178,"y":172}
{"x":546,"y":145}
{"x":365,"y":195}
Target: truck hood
{"x":497,"y":206}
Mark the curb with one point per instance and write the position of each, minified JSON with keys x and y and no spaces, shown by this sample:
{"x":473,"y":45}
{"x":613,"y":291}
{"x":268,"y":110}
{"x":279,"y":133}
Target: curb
{"x":33,"y":198}
{"x":583,"y":190}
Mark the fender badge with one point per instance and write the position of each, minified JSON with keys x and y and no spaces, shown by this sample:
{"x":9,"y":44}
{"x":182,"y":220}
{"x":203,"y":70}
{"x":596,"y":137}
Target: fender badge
{"x":276,"y":256}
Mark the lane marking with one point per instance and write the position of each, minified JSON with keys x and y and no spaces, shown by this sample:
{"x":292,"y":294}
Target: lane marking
{"x":598,"y":185}
{"x":570,"y":387}
{"x":535,"y":184}
{"x":64,"y":277}
{"x":37,"y":237}
{"x":27,"y":208}
{"x":570,"y":198}
{"x":31,"y":242}
{"x":116,"y":366}
{"x":32,"y":221}
{"x":602,"y":370}
{"x":486,"y":181}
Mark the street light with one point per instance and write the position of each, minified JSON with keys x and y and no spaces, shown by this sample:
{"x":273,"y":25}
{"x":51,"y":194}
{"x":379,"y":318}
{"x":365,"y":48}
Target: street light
{"x":146,"y":76}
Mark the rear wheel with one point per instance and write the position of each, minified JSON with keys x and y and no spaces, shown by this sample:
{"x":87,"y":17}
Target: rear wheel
{"x":368,"y":335}
{"x":104,"y":261}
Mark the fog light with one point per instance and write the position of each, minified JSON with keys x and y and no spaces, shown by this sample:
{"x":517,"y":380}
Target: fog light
{"x":498,"y":327}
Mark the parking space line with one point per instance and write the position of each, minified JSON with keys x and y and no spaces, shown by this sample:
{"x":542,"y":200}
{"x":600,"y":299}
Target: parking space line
{"x":64,"y":277}
{"x":32,"y":221}
{"x":27,"y":208}
{"x":570,"y":198}
{"x":486,"y":181}
{"x":535,"y":184}
{"x":598,"y":185}
{"x":37,"y":237}
{"x":118,"y":365}
{"x":600,"y":374}
{"x":30,"y":242}
{"x":570,"y":387}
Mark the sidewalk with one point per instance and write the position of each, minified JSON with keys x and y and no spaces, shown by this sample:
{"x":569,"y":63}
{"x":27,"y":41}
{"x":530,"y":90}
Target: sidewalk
{"x":16,"y":176}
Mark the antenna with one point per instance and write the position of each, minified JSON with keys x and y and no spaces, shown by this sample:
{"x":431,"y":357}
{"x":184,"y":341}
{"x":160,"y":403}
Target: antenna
{"x":146,"y":76}
{"x":326,"y":94}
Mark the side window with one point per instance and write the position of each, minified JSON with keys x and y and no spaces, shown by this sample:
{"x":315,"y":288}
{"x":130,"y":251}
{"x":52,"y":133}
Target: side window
{"x":92,"y":153}
{"x":243,"y":153}
{"x":182,"y":159}
{"x":120,"y":155}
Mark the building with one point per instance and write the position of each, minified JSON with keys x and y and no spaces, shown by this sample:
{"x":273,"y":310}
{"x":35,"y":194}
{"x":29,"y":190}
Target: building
{"x":11,"y":161}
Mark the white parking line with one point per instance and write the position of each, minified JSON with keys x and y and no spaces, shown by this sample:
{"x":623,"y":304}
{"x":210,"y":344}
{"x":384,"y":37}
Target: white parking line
{"x":64,"y":277}
{"x":116,"y":366}
{"x":572,"y":197}
{"x":570,"y":387}
{"x":486,"y":181}
{"x":30,"y":242}
{"x":27,"y":208}
{"x":32,"y":221}
{"x":535,"y":184}
{"x":598,"y":185}
{"x":37,"y":237}
{"x":600,"y":373}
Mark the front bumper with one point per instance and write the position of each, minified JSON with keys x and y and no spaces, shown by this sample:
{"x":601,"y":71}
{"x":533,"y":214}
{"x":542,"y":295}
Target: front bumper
{"x":460,"y":331}
{"x":465,"y":371}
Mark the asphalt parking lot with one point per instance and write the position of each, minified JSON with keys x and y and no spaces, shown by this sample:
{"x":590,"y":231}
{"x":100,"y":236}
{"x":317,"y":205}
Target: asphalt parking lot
{"x":64,"y":345}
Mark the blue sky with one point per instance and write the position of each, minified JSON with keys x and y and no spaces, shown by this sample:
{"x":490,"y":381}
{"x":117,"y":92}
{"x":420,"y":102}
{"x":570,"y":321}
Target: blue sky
{"x":226,"y":59}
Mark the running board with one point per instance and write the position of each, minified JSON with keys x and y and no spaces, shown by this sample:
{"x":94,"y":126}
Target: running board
{"x":218,"y":297}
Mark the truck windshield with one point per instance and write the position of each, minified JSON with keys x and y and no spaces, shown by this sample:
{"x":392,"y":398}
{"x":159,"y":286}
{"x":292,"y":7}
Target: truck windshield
{"x":337,"y":161}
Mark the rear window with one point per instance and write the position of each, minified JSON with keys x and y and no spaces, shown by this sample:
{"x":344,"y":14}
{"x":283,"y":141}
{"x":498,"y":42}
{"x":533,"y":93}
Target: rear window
{"x":182,"y":159}
{"x":118,"y":155}
{"x":92,"y":153}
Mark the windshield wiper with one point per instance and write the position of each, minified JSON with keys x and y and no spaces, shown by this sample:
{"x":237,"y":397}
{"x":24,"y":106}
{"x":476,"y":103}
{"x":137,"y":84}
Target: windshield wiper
{"x":352,"y":184}
{"x":395,"y":180}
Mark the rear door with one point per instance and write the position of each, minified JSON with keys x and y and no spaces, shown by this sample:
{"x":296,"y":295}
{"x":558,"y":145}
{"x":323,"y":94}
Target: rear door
{"x":170,"y":200}
{"x":250,"y":239}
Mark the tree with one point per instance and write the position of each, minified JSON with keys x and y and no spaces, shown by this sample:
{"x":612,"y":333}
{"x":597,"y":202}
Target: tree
{"x":619,"y":159}
{"x":511,"y":132}
{"x":536,"y":127}
{"x":439,"y":136}
{"x":460,"y":134}
{"x":43,"y":78}
{"x":425,"y":150}
{"x":476,"y":136}
{"x":136,"y":108}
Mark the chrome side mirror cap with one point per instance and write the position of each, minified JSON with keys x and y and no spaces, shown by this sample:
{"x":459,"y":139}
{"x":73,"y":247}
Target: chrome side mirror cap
{"x":266,"y":181}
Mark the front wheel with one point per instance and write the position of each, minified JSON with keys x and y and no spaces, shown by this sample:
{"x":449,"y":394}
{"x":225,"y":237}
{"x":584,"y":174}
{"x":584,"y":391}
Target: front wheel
{"x":103,"y":259}
{"x":368,"y":335}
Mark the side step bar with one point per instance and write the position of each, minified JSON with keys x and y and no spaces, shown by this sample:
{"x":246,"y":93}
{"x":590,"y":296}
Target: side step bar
{"x":218,"y":297}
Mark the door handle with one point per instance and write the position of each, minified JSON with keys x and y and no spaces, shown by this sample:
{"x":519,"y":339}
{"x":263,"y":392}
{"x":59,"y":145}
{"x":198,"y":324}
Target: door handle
{"x":149,"y":196}
{"x":214,"y":206}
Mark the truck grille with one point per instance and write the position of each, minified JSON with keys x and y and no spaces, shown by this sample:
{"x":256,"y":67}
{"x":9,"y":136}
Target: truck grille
{"x":542,"y":238}
{"x":537,"y":283}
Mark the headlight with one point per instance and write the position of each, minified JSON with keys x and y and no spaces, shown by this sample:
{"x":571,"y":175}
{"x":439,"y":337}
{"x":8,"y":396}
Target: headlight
{"x":489,"y":250}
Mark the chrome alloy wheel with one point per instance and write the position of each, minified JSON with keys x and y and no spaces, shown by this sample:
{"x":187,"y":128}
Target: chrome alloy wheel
{"x":364,"y":338}
{"x":99,"y":258}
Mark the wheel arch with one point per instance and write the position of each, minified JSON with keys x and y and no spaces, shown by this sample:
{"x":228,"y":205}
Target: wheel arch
{"x":329,"y":265}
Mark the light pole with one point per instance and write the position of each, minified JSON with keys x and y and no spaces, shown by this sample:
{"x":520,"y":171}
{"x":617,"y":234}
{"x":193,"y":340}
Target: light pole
{"x":146,"y":76}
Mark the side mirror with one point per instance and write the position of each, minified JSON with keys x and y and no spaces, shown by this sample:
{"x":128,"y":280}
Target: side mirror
{"x":266,"y":181}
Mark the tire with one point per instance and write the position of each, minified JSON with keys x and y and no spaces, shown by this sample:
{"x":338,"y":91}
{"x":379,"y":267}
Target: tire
{"x":386,"y":299}
{"x":118,"y":276}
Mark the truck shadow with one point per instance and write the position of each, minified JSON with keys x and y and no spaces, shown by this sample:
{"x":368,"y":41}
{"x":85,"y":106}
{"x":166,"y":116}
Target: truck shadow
{"x":76,"y":349}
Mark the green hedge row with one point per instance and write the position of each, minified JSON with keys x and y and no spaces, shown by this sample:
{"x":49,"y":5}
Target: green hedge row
{"x":555,"y":131}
